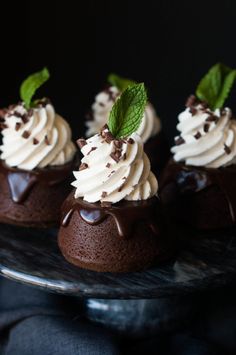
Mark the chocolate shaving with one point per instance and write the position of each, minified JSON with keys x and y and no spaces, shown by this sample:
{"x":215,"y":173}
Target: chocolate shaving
{"x":179,"y":141}
{"x":197,"y":135}
{"x":3,"y":113}
{"x":17,"y":126}
{"x":212,"y":118}
{"x":17,"y":114}
{"x":112,"y":172}
{"x":26,"y":134}
{"x":206,"y":127}
{"x":83,"y":166}
{"x":108,"y":137}
{"x":116,"y":155}
{"x":223,"y":111}
{"x":191,"y":100}
{"x":117,"y":143}
{"x":30,"y":112}
{"x":46,"y":140}
{"x":106,"y":204}
{"x":101,"y":104}
{"x":3,"y":125}
{"x":130,"y":141}
{"x":35,"y":141}
{"x":193,"y":110}
{"x":81,"y":142}
{"x":227,"y":149}
{"x":91,"y":150}
{"x":104,"y":194}
{"x":43,"y":102}
{"x":25,"y":118}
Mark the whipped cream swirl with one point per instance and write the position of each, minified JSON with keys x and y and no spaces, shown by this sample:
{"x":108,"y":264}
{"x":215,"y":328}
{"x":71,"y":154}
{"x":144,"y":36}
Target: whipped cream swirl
{"x":36,"y":138}
{"x":206,"y":138}
{"x":101,"y":108}
{"x":112,"y":170}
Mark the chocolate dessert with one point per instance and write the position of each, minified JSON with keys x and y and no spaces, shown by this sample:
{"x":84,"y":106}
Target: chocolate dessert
{"x":112,"y":221}
{"x":37,"y":158}
{"x":28,"y":197}
{"x":198,"y":185}
{"x":123,"y":237}
{"x":155,"y":143}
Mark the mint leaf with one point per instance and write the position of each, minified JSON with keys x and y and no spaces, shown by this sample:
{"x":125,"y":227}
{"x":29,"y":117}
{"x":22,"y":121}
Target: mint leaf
{"x":127,"y":112}
{"x":31,"y":84}
{"x":119,"y":82}
{"x":215,"y":86}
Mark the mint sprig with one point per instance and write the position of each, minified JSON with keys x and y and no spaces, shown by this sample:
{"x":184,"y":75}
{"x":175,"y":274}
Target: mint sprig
{"x":119,"y":82}
{"x":31,"y":84}
{"x":215,"y":86}
{"x":127,"y":112}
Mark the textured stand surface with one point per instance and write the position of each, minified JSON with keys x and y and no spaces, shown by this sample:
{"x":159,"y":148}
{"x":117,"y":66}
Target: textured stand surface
{"x":31,"y":256}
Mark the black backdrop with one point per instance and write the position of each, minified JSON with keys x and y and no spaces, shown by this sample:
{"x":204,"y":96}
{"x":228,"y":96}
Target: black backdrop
{"x":167,"y":44}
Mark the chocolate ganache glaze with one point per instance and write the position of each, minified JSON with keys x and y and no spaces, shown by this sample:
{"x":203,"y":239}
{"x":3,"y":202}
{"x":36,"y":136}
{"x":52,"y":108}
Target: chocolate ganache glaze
{"x":125,"y":213}
{"x":188,"y":185}
{"x":21,"y":181}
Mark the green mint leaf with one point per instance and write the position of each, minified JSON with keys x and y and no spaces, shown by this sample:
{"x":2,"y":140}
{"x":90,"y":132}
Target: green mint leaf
{"x":31,"y":84}
{"x":127,"y":112}
{"x":119,"y":82}
{"x":215,"y":86}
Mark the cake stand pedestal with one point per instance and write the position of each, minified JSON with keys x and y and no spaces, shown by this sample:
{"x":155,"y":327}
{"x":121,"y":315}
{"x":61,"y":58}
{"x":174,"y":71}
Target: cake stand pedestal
{"x":137,"y":302}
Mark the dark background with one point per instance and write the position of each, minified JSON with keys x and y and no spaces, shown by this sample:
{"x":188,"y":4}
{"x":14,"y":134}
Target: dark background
{"x":167,"y":44}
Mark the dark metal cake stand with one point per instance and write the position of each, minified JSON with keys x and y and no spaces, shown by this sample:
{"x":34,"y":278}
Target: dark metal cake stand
{"x":133,"y":301}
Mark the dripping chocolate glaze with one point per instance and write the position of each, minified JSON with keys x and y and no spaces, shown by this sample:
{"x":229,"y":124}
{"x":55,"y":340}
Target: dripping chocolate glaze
{"x":191,"y":179}
{"x":125,"y":213}
{"x":21,"y":181}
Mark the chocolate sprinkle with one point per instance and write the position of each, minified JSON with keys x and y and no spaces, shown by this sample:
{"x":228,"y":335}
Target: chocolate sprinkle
{"x":83,"y":166}
{"x":17,"y":126}
{"x":91,"y":150}
{"x":193,"y":110}
{"x":124,"y":156}
{"x":108,"y":137}
{"x":26,"y":134}
{"x":17,"y":114}
{"x":227,"y":149}
{"x":25,"y":118}
{"x":206,"y":127}
{"x":191,"y":100}
{"x":116,"y":155}
{"x":46,"y":140}
{"x":81,"y":142}
{"x":35,"y":141}
{"x":197,"y":135}
{"x":117,"y":143}
{"x":101,"y":104}
{"x":108,"y":165}
{"x":130,"y":141}
{"x":3,"y":126}
{"x":179,"y":141}
{"x":104,"y":194}
{"x":212,"y":118}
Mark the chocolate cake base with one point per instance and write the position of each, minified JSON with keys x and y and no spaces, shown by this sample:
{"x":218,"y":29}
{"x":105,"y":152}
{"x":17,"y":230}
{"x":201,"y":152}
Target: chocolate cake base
{"x":100,"y":247}
{"x":201,"y":197}
{"x":34,"y":199}
{"x":157,"y":149}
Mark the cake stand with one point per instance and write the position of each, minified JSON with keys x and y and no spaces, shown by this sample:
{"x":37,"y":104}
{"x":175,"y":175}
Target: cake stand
{"x":137,"y":302}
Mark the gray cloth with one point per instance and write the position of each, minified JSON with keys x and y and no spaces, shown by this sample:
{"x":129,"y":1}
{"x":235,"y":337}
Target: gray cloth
{"x":33,"y":322}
